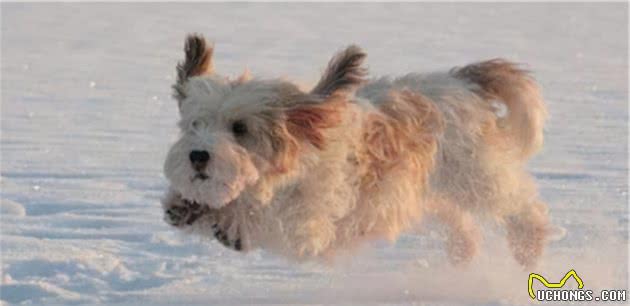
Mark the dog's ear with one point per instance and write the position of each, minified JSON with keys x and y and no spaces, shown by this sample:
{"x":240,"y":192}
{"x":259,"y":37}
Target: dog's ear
{"x":343,"y":74}
{"x":326,"y":102}
{"x":245,"y":77}
{"x":198,"y":61}
{"x":307,"y":121}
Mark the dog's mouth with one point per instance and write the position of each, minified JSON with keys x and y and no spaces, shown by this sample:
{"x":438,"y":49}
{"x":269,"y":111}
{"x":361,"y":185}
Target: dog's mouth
{"x":199,"y":176}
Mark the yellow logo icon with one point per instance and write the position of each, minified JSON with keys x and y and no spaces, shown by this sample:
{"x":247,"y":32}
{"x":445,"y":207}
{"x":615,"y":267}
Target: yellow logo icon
{"x":547,"y":284}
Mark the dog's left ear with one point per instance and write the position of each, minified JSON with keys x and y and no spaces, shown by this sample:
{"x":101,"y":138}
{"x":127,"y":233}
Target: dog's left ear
{"x":343,"y":74}
{"x":328,"y":99}
{"x":309,"y":120}
{"x":198,"y":61}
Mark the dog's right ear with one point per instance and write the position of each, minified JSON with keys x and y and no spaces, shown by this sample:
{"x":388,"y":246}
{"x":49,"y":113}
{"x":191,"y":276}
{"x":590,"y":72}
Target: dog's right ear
{"x":343,"y":74}
{"x":198,"y":61}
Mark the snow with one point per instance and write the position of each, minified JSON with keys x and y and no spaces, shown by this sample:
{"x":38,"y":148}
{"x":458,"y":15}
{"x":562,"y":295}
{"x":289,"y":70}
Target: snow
{"x":87,"y":118}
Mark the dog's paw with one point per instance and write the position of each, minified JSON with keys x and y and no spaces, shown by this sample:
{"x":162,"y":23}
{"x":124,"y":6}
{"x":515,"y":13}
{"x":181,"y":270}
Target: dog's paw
{"x":463,"y":242}
{"x":462,"y":249}
{"x":222,"y":236}
{"x":186,"y":213}
{"x":309,"y":249}
{"x":312,"y":238}
{"x":175,"y":215}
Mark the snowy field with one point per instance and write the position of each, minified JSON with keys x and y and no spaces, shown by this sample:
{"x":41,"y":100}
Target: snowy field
{"x":87,"y":118}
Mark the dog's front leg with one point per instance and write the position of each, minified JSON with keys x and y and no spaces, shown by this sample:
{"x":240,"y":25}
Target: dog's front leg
{"x":229,"y":240}
{"x":179,"y":212}
{"x":308,"y":224}
{"x":312,"y":237}
{"x":238,"y":225}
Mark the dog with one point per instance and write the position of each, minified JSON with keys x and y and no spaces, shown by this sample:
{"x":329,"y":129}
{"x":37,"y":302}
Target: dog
{"x":305,"y":174}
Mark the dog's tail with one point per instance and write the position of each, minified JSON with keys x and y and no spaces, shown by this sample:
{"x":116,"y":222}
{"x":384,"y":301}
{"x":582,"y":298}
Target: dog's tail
{"x":504,"y":83}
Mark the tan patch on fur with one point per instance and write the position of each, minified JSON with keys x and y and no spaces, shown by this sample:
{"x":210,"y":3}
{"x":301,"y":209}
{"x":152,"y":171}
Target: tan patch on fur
{"x":399,"y":145}
{"x":309,"y":121}
{"x":285,"y":148}
{"x":283,"y":160}
{"x":406,"y":129}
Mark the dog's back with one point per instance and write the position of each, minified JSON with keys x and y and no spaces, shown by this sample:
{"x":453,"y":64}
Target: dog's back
{"x":494,"y":92}
{"x":492,"y":115}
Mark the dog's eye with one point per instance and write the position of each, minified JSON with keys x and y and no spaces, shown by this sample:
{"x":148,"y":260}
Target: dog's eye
{"x":239,"y":128}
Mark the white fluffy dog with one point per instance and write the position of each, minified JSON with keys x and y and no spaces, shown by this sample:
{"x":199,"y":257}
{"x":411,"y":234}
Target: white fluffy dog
{"x":263,"y":164}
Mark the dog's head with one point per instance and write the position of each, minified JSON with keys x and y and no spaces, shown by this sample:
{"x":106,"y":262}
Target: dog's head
{"x":240,"y":136}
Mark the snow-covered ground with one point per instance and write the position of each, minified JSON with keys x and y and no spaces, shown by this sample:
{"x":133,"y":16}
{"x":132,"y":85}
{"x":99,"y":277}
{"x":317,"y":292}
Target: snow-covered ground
{"x":87,"y":118}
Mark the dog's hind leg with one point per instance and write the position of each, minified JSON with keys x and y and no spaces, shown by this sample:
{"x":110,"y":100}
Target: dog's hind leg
{"x":463,"y":234}
{"x":523,"y":215}
{"x":527,"y":232}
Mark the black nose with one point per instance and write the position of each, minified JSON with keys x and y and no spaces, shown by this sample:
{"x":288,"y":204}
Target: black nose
{"x":199,"y":159}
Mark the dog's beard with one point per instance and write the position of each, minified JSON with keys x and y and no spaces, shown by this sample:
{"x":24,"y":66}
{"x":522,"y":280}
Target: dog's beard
{"x":229,"y":172}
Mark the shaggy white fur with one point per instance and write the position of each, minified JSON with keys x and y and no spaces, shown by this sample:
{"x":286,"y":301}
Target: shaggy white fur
{"x":262,"y":164}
